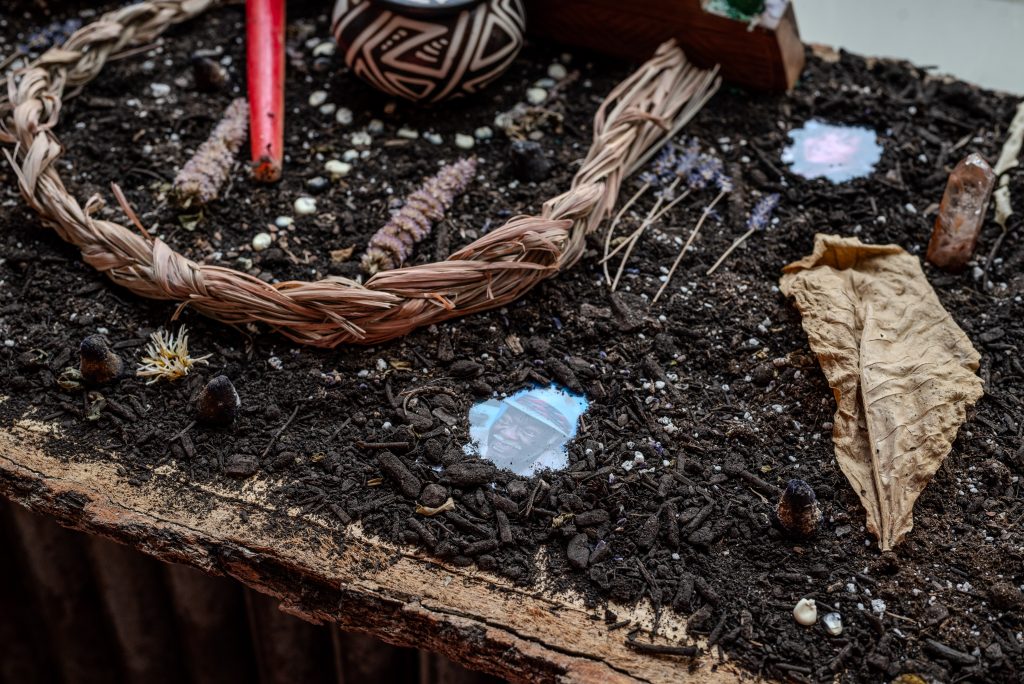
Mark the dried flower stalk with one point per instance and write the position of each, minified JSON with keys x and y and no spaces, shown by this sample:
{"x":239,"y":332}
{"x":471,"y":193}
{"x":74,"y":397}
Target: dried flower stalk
{"x":167,"y":357}
{"x":202,"y":177}
{"x":392,"y":245}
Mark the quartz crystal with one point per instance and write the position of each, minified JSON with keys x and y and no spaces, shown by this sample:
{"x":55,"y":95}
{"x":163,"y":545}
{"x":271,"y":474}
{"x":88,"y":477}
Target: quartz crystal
{"x":961,"y":213}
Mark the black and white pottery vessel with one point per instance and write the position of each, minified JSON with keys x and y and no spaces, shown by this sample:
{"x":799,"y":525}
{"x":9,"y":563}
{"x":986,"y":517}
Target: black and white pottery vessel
{"x":429,"y":50}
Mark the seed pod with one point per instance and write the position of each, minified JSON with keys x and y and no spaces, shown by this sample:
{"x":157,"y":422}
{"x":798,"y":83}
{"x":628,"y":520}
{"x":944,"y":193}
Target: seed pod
{"x":99,"y":364}
{"x":806,"y":612}
{"x":218,"y":402}
{"x":798,"y":512}
{"x":209,"y":75}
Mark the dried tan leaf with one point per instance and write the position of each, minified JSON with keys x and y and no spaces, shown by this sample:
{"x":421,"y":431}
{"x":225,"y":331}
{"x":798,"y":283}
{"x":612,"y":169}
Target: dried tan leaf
{"x":902,"y":371}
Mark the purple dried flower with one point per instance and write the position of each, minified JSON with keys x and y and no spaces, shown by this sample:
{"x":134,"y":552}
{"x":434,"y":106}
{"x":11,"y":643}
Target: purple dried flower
{"x":392,"y":245}
{"x":762,"y":212}
{"x":665,"y":162}
{"x":688,"y":159}
{"x":706,"y":171}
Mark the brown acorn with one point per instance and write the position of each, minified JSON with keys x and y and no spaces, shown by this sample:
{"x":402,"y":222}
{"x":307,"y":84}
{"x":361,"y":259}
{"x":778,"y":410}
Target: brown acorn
{"x":99,"y":364}
{"x":218,"y":403}
{"x":798,"y":512}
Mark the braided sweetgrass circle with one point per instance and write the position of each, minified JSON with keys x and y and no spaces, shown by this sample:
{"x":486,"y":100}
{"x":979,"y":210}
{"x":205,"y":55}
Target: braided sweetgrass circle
{"x":639,"y":115}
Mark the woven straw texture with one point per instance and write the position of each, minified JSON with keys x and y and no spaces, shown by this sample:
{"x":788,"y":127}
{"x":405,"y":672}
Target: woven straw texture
{"x":636,"y":118}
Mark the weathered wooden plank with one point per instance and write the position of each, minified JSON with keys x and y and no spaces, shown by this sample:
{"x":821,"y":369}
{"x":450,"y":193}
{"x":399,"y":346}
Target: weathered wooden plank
{"x":329,"y":574}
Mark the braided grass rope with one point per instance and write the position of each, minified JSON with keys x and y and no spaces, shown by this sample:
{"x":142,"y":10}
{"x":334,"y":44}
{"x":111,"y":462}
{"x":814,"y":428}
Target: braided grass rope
{"x":639,"y":115}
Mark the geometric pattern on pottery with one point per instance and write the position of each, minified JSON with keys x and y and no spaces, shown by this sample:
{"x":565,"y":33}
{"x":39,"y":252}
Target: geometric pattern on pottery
{"x":429,"y":58}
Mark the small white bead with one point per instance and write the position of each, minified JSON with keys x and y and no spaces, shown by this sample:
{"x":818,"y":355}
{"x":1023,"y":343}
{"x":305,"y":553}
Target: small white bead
{"x":557,"y":71}
{"x":337,"y":168}
{"x":343,"y":116}
{"x":261,"y":241}
{"x":304,"y":206}
{"x":324,"y":49}
{"x":536,"y":96}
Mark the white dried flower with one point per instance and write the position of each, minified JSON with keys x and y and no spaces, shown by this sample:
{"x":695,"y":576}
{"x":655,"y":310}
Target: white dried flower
{"x":167,"y":356}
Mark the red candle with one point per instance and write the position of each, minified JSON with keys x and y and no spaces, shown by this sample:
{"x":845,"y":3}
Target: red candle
{"x":264,"y":28}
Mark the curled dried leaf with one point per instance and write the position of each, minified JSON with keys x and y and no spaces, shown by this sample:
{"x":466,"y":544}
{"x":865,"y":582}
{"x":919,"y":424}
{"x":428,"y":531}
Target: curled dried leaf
{"x":903,"y":372}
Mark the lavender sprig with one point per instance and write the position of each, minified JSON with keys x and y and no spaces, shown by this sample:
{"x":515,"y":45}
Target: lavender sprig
{"x":762,"y":212}
{"x":759,"y":219}
{"x":392,"y":245}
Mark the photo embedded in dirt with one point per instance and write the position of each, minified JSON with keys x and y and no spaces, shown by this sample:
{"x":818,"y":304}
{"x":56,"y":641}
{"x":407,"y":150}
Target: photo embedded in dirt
{"x":701,"y":407}
{"x":528,"y":431}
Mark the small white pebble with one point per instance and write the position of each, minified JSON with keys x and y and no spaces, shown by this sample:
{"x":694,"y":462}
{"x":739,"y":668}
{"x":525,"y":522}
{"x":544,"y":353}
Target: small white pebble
{"x":304,"y":206}
{"x":557,"y":71}
{"x":464,"y":142}
{"x":361,"y":139}
{"x":877,"y":606}
{"x":337,"y":168}
{"x":484,"y":133}
{"x":160,"y":89}
{"x":382,"y":365}
{"x":350,"y":155}
{"x":283,"y":221}
{"x":324,"y":49}
{"x":261,"y":241}
{"x":317,"y":98}
{"x":833,"y":623}
{"x":375,"y":127}
{"x":805,"y":612}
{"x":536,"y":96}
{"x":433,"y":138}
{"x":328,"y":108}
{"x":343,"y":116}
{"x":408,"y":133}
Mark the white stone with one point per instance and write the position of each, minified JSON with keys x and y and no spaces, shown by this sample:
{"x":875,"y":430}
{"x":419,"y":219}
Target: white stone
{"x":337,"y":168}
{"x":328,"y":108}
{"x":283,"y":221}
{"x":806,"y":612}
{"x":361,"y":138}
{"x":324,"y":49}
{"x":484,"y":133}
{"x":160,"y":89}
{"x":536,"y":96}
{"x":261,"y":241}
{"x":408,"y":133}
{"x":317,"y":98}
{"x":304,"y":206}
{"x":375,"y":127}
{"x":350,"y":155}
{"x":343,"y":116}
{"x":433,"y":138}
{"x":557,"y":71}
{"x":833,"y":623}
{"x":877,"y":606}
{"x":464,"y":142}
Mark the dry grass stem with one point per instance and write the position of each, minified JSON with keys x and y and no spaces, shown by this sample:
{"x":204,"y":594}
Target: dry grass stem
{"x":640,"y":114}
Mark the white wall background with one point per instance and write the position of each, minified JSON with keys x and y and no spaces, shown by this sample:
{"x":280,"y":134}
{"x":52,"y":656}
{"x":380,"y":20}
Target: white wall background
{"x":981,"y":41}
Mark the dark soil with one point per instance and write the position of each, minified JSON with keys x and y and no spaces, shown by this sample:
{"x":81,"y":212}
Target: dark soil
{"x":744,"y":407}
